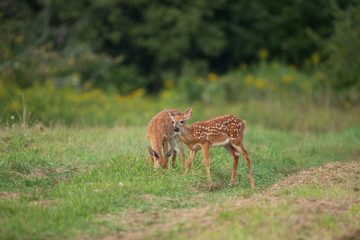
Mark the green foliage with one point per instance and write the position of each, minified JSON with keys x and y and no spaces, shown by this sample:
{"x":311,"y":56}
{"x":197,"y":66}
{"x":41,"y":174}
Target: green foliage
{"x":279,"y":26}
{"x":126,"y":45}
{"x":343,"y":52}
{"x":264,"y":81}
{"x":267,"y":88}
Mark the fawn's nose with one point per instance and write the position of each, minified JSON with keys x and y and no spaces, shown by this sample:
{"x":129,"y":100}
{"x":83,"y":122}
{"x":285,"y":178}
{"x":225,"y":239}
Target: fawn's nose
{"x":176,"y":129}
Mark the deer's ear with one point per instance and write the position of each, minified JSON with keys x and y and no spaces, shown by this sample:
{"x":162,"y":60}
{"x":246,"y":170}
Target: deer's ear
{"x":168,"y":154}
{"x":171,"y":114}
{"x":153,"y":154}
{"x":188,"y":113}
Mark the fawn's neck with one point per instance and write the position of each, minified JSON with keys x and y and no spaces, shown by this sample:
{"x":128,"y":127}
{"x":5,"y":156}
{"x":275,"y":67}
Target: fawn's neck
{"x":187,"y":135}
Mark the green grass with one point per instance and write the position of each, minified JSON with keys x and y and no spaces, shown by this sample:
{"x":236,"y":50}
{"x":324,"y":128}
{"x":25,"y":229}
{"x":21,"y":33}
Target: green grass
{"x":68,"y":178}
{"x":283,"y":221}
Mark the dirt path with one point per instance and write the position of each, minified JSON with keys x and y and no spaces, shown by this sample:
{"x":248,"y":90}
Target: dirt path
{"x":341,"y":175}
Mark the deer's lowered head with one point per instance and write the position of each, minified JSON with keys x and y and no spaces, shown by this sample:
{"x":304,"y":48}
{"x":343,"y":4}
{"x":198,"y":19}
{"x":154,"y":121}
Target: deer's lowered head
{"x":161,"y":134}
{"x":156,"y":158}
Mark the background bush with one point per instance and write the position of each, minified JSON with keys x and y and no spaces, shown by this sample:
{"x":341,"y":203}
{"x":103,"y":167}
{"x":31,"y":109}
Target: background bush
{"x":98,"y":62}
{"x":128,"y":45}
{"x":342,"y":50}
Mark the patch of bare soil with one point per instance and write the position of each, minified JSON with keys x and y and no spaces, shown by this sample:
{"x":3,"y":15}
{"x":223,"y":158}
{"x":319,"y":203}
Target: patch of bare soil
{"x":43,"y":203}
{"x":334,"y":173}
{"x":8,"y":195}
{"x":40,"y":173}
{"x":139,"y":224}
{"x":355,"y":235}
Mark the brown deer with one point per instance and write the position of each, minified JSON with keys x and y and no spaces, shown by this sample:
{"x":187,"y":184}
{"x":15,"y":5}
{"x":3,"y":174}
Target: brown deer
{"x":226,"y":131}
{"x":160,"y":134}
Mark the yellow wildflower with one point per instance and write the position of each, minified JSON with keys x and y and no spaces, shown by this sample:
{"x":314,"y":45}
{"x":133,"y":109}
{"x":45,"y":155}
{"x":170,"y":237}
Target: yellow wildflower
{"x":315,"y":58}
{"x":121,"y":98}
{"x":212,"y":77}
{"x":138,"y":92}
{"x":249,"y":79}
{"x":263,"y":53}
{"x":97,"y":91}
{"x":87,"y":86}
{"x":287,"y":78}
{"x":260,"y":83}
{"x":169,"y":83}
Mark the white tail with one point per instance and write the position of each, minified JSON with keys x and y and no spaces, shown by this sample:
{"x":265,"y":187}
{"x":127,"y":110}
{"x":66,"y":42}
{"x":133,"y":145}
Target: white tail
{"x":226,"y":131}
{"x":160,"y":134}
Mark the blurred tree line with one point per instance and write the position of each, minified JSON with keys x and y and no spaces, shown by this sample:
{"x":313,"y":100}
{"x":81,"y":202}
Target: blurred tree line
{"x":131,"y":44}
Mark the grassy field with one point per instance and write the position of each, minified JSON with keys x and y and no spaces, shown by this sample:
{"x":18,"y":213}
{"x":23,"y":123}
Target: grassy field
{"x":97,"y":182}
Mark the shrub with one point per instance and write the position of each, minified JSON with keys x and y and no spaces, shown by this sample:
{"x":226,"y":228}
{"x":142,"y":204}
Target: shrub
{"x":343,"y":52}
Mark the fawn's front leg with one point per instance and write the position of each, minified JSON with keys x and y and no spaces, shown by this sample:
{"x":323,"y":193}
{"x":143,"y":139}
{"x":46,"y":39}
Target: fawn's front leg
{"x":206,"y":149}
{"x":175,"y":142}
{"x":165,"y":147}
{"x":173,"y":158}
{"x":190,"y":159}
{"x":182,"y":153}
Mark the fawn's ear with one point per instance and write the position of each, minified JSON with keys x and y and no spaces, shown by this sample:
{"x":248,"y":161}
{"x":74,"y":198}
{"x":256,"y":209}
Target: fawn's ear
{"x":171,"y":114}
{"x":153,"y":154}
{"x":187,"y":113}
{"x":168,"y":154}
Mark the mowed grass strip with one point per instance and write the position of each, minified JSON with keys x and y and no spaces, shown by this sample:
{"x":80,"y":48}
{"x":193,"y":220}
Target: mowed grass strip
{"x":65,"y":180}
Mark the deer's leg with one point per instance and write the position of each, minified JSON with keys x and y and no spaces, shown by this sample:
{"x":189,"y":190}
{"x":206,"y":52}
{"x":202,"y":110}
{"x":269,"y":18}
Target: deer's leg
{"x":173,"y":158}
{"x":206,"y":150}
{"x":239,"y":147}
{"x":235,"y":156}
{"x":190,"y":159}
{"x":182,"y":153}
{"x":165,"y":147}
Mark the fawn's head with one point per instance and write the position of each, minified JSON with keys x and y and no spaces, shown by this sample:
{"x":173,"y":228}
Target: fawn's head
{"x":160,"y":160}
{"x":179,"y":121}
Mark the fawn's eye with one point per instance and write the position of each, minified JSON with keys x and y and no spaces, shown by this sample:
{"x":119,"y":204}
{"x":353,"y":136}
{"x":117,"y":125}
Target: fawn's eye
{"x":172,"y":122}
{"x":181,"y":121}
